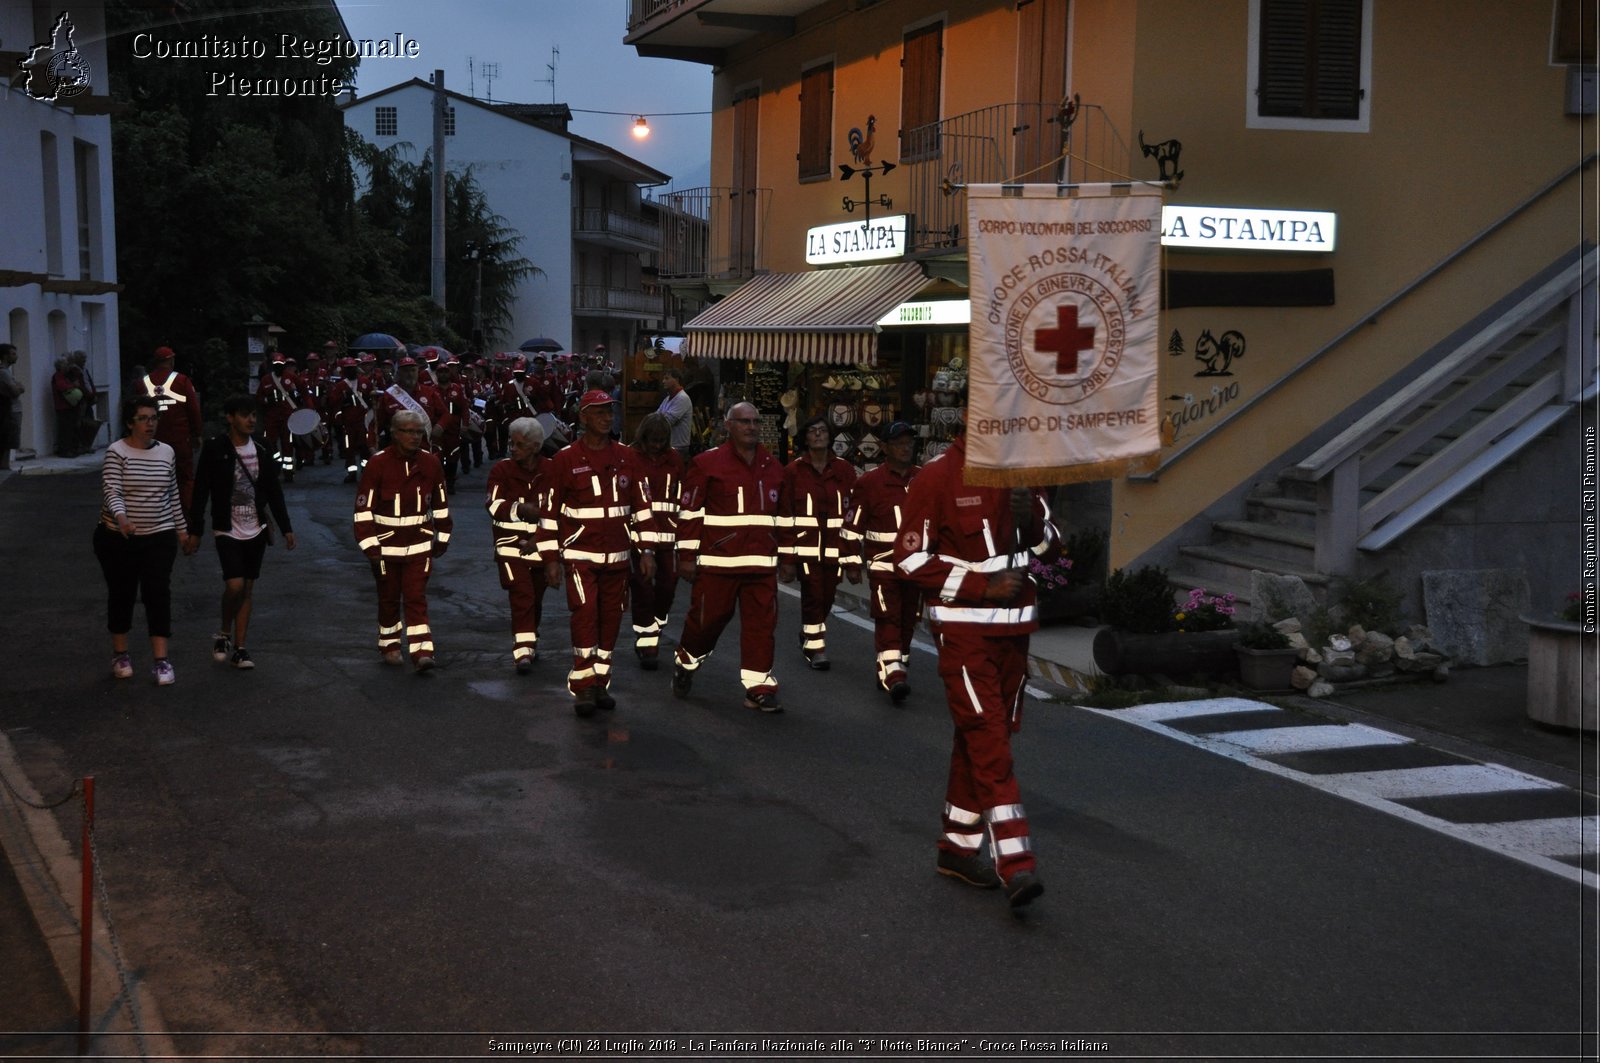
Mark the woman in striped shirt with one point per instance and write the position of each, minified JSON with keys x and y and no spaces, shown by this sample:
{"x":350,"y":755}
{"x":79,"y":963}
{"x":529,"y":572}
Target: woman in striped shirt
{"x":138,"y":536}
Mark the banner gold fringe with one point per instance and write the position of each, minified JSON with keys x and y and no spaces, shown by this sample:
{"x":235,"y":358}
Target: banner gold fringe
{"x":1051,"y":476}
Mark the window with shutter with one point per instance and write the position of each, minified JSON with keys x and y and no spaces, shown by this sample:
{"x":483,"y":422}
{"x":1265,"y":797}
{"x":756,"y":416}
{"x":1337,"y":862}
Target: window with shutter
{"x":921,"y":58}
{"x":1309,"y":64}
{"x":816,"y":121}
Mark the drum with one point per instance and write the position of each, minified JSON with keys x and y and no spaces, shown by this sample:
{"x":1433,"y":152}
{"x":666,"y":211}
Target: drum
{"x":308,"y":423}
{"x":555,"y":433}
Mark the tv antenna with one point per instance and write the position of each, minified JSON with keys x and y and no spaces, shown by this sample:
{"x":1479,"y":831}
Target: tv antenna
{"x":490,"y":71}
{"x":555,"y":56}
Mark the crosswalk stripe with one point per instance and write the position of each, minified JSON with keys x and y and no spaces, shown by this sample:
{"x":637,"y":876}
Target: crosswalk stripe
{"x":1540,"y":843}
{"x":1312,"y":736}
{"x":1439,"y":781}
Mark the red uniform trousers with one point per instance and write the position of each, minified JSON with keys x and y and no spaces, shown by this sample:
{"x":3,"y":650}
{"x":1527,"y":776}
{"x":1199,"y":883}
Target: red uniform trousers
{"x":403,"y":585}
{"x":896,"y":604}
{"x":275,"y":429}
{"x":525,"y":585}
{"x":711,"y":605}
{"x":652,"y":601}
{"x":819,"y":587}
{"x":595,"y":597}
{"x":983,"y":679}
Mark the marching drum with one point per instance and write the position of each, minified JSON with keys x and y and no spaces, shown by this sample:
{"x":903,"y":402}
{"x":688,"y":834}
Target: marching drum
{"x":308,"y":423}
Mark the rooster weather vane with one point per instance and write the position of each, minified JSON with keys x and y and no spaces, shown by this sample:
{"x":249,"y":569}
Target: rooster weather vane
{"x":861,"y":152}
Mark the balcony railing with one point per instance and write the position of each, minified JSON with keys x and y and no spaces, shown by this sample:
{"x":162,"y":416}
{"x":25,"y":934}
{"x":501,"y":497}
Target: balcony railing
{"x":613,"y":223}
{"x":1027,"y":143}
{"x":713,"y":233}
{"x":642,"y":11}
{"x":598,"y":297}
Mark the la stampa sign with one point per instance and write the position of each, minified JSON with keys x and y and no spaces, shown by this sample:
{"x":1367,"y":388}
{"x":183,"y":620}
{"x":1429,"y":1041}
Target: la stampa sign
{"x":1248,"y":229}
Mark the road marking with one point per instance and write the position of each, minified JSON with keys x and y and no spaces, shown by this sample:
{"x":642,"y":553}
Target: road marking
{"x":1313,"y":736}
{"x":1540,"y":843}
{"x":1440,"y":781}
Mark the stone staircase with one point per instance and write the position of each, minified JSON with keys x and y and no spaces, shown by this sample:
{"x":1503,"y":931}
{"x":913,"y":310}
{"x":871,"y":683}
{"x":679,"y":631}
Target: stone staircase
{"x":1455,"y":438}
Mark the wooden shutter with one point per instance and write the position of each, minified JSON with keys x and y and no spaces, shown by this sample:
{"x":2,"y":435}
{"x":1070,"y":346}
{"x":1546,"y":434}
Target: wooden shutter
{"x":1310,"y":62}
{"x":919,"y":91}
{"x":816,"y":121}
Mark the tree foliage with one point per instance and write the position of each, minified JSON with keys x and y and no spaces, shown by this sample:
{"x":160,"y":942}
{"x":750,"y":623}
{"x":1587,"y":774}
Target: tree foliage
{"x":236,"y":207}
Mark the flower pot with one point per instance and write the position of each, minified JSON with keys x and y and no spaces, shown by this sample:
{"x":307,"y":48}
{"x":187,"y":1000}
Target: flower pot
{"x":1171,"y":653}
{"x":1267,"y":669}
{"x":1558,"y":694}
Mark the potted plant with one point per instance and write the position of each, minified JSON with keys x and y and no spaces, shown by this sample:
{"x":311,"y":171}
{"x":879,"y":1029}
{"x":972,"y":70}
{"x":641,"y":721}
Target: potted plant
{"x":1266,"y":659}
{"x":1069,"y":587}
{"x":1151,"y":631}
{"x":1559,"y":645}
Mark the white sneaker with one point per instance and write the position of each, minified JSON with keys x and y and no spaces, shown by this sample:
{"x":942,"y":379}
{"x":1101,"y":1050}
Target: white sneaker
{"x":122,"y":666}
{"x":163,"y":673}
{"x":221,"y":647}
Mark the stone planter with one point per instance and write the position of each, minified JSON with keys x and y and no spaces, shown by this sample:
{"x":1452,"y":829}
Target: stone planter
{"x":1559,"y":692}
{"x":1171,"y":653}
{"x":1267,"y":669}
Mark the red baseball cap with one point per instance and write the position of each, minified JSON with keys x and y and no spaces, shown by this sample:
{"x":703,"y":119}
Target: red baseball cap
{"x":593,"y":398}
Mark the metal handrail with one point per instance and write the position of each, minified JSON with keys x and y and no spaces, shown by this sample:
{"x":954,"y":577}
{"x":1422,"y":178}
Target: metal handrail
{"x":1365,"y":320}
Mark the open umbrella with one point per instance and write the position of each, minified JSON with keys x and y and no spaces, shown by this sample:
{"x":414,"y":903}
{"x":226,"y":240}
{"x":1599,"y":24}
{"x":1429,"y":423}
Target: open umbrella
{"x":542,"y":343}
{"x":376,"y":341}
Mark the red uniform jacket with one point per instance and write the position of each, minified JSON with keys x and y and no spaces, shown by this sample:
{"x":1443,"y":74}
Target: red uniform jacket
{"x":663,"y":477}
{"x":516,"y":539}
{"x":401,"y":509}
{"x":728,"y":519}
{"x":348,"y":404}
{"x":811,"y":511}
{"x":180,"y":407}
{"x":877,"y":506}
{"x":517,"y":399}
{"x":955,"y":536}
{"x":596,"y":504}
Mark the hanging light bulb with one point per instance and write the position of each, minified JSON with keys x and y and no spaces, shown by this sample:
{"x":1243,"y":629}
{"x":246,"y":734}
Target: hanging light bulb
{"x":641,"y":128}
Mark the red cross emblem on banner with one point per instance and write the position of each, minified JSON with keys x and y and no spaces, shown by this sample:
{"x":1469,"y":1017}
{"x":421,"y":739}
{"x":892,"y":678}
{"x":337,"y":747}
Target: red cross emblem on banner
{"x":1065,"y":340}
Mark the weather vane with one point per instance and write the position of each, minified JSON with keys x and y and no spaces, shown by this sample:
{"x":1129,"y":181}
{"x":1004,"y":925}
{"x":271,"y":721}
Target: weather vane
{"x":861,"y":151}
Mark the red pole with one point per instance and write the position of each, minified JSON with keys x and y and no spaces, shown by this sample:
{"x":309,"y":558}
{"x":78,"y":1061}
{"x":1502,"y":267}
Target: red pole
{"x":86,"y":922}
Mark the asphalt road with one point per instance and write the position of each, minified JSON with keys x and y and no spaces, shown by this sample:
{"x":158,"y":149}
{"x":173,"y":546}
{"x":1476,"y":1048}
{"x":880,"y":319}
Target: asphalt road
{"x":326,"y":855}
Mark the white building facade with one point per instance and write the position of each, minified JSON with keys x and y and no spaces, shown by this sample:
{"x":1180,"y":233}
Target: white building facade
{"x":58,"y":261}
{"x":576,"y":204}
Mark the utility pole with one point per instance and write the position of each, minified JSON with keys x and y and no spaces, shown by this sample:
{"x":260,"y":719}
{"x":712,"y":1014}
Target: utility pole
{"x":439,"y":104}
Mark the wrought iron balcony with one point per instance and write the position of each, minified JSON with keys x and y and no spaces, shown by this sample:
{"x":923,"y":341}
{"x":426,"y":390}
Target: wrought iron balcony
{"x":591,"y":299}
{"x":713,"y":233}
{"x":1008,"y":142}
{"x":614,"y":229}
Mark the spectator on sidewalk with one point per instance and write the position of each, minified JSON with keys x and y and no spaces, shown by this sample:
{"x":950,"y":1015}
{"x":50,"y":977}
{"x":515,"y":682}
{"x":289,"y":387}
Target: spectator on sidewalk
{"x":240,"y":481}
{"x":66,"y":388}
{"x":678,"y":409}
{"x":11,"y":390}
{"x":137,"y":538}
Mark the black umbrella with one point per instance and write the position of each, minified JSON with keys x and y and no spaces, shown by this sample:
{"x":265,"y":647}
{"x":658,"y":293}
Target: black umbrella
{"x":376,"y":341}
{"x":542,"y":343}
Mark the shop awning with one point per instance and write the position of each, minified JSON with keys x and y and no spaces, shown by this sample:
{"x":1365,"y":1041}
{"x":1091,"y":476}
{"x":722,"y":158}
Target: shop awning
{"x":825,"y":316}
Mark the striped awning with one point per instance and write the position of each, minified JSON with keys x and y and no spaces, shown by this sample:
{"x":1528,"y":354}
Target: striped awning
{"x":825,"y":316}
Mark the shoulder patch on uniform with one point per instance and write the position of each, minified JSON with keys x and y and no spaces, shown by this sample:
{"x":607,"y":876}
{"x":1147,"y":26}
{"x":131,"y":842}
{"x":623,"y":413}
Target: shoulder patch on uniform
{"x":911,"y":541}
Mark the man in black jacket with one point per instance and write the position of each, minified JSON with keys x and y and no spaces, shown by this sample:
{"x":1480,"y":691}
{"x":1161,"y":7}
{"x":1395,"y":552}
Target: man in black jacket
{"x":238,"y":479}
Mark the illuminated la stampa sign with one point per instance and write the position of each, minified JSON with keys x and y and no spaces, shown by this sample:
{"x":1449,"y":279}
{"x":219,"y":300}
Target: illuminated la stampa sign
{"x":851,"y":241}
{"x":1248,"y":229}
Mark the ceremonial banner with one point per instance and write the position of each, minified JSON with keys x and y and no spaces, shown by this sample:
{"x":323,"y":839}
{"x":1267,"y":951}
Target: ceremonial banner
{"x":1065,"y":295}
